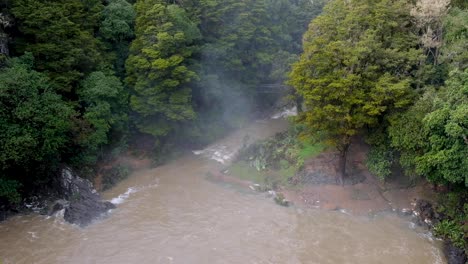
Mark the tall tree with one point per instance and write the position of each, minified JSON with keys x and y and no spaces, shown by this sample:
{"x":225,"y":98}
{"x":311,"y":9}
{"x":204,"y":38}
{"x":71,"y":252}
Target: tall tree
{"x":117,"y":31}
{"x":34,"y":122}
{"x":358,"y":56}
{"x":60,"y":35}
{"x":105,"y":103}
{"x":159,"y":67}
{"x":118,"y":19}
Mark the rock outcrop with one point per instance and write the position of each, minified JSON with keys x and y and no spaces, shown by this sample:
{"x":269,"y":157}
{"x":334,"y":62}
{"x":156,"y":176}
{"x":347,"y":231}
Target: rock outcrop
{"x":81,"y":201}
{"x":454,"y":254}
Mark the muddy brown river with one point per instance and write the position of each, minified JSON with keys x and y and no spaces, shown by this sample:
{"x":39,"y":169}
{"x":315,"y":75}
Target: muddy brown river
{"x":172,"y":214}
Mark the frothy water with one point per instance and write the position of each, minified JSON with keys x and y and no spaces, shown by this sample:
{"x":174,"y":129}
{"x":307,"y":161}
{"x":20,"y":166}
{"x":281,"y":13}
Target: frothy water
{"x":124,"y":196}
{"x":219,"y":153}
{"x":121,"y":198}
{"x":287,"y":112}
{"x":172,"y":214}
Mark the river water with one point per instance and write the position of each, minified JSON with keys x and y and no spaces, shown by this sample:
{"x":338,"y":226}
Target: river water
{"x":172,"y":214}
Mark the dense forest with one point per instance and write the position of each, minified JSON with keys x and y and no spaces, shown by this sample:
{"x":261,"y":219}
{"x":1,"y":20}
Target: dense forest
{"x":80,"y":81}
{"x":84,"y":80}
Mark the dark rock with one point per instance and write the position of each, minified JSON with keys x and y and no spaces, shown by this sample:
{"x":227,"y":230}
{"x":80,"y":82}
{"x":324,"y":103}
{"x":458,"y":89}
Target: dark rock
{"x":3,"y":213}
{"x":426,"y":215}
{"x":454,"y":254}
{"x":281,"y":200}
{"x":7,"y":210}
{"x":84,"y":211}
{"x":57,"y":206}
{"x":85,"y":204}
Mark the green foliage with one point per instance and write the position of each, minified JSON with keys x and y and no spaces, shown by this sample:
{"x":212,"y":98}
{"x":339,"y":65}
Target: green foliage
{"x":34,"y":120}
{"x":117,"y":30}
{"x":159,"y":67}
{"x":244,"y":171}
{"x":9,"y":190}
{"x":454,"y":207}
{"x":449,"y":229}
{"x":60,"y":35}
{"x":455,"y":48}
{"x":281,"y":200}
{"x":115,"y":175}
{"x":462,"y":4}
{"x":379,"y":161}
{"x":432,"y":133}
{"x":105,"y":110}
{"x":310,"y":149}
{"x":355,"y":67}
{"x":285,"y":152}
{"x":118,"y":19}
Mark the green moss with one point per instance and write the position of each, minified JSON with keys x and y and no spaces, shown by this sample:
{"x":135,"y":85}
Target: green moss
{"x":310,"y":149}
{"x":268,"y":178}
{"x":244,"y":171}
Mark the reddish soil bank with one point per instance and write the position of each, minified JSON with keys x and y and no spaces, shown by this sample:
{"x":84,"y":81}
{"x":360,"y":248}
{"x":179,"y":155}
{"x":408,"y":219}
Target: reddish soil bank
{"x":362,"y":193}
{"x":316,"y":186}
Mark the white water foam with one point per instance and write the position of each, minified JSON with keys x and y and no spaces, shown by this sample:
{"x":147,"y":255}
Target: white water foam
{"x":33,"y":235}
{"x":121,"y":198}
{"x":219,"y":153}
{"x":198,"y":152}
{"x":285,"y":113}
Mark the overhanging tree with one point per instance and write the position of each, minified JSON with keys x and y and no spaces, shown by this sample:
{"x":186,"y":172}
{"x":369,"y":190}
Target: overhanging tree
{"x":358,"y":56}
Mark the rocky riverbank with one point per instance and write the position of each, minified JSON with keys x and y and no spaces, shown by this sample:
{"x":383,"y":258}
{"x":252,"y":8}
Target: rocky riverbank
{"x":68,"y":193}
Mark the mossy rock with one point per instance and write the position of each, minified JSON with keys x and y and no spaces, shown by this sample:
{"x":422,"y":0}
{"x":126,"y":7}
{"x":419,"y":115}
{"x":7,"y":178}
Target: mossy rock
{"x":281,"y":200}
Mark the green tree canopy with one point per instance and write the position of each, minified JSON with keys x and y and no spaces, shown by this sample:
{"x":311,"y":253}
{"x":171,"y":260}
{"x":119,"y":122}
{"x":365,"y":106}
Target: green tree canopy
{"x":433,"y":134}
{"x":34,"y":120}
{"x":118,"y":19}
{"x":60,"y":35}
{"x":159,"y":67}
{"x":105,"y":110}
{"x":357,"y":60}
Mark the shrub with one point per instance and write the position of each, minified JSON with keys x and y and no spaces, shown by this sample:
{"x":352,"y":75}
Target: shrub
{"x":9,"y":190}
{"x":379,"y":161}
{"x":454,"y":208}
{"x":115,"y":175}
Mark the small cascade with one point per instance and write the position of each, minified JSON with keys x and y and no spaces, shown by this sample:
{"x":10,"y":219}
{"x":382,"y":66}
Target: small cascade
{"x":286,"y":112}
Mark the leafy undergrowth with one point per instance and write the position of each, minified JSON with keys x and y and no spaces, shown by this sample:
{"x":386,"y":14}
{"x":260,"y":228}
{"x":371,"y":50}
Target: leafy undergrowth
{"x":266,"y":178}
{"x":308,"y":149}
{"x":114,"y":176}
{"x":273,"y":162}
{"x":453,"y":207}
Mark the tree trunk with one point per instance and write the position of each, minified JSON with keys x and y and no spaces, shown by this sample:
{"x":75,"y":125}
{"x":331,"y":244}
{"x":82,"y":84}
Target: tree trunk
{"x":342,"y":163}
{"x":298,"y":101}
{"x":4,"y":44}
